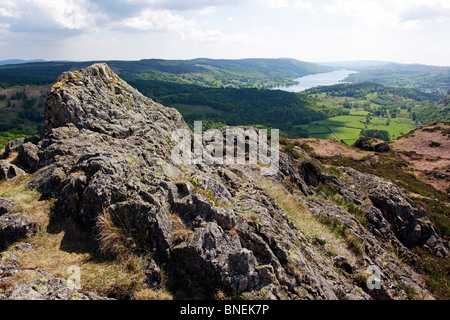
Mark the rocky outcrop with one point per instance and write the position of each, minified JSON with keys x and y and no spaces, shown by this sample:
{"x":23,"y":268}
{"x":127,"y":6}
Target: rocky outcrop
{"x":5,"y":205}
{"x":106,"y":158}
{"x":44,"y":287}
{"x":406,"y":220}
{"x":10,"y":171}
{"x":9,"y":266}
{"x":15,"y":226}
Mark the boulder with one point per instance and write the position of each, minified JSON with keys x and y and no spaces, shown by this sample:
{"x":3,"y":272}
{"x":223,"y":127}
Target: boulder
{"x":28,"y":156}
{"x":14,"y":227}
{"x":9,"y":266}
{"x":5,"y":205}
{"x":10,"y":171}
{"x":12,"y":146}
{"x":47,"y":287}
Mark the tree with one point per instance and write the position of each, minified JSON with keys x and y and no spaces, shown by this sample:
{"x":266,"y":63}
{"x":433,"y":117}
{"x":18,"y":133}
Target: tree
{"x":378,"y":134}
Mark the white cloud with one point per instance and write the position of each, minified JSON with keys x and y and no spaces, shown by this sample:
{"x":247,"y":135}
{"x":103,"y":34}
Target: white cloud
{"x":305,"y":5}
{"x":68,"y":14}
{"x":419,"y":10}
{"x":187,"y":30}
{"x":276,"y":3}
{"x":403,"y":14}
{"x":180,"y":5}
{"x":203,"y":36}
{"x":158,"y":20}
{"x":372,"y":13}
{"x":8,"y":9}
{"x":208,"y":10}
{"x":50,"y":15}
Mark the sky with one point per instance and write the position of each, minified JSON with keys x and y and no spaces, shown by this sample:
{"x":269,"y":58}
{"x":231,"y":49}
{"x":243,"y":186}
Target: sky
{"x":404,"y":31}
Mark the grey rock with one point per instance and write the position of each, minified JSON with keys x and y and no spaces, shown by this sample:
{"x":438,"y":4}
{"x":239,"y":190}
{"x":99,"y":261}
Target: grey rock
{"x":9,"y":266}
{"x":14,"y":227}
{"x":342,"y":263}
{"x":5,"y":205}
{"x":106,"y":152}
{"x":12,"y":146}
{"x":10,"y":171}
{"x":153,"y":274}
{"x":406,"y":219}
{"x":47,"y":287}
{"x":24,"y":246}
{"x":28,"y":156}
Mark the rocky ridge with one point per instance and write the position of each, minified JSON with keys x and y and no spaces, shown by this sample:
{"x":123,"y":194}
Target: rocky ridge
{"x":105,"y":156}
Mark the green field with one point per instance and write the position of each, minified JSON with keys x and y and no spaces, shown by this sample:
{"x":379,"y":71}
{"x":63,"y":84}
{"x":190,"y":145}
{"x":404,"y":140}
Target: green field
{"x":348,"y":128}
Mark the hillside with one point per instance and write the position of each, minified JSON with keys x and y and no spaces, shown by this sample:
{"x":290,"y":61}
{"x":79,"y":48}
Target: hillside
{"x":244,"y":73}
{"x":431,"y":79}
{"x":427,"y":149}
{"x":100,"y":192}
{"x":445,"y":102}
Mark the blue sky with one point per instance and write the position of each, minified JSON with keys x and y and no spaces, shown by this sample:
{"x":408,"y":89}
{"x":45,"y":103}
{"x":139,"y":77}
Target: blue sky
{"x":406,"y":31}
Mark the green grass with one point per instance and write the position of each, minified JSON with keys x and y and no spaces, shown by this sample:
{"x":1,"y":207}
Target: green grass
{"x":347,"y":128}
{"x":358,"y":112}
{"x":345,"y":133}
{"x":5,"y":137}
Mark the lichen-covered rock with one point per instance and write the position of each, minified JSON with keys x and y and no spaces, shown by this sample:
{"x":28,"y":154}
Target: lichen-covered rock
{"x":10,"y":171}
{"x":106,"y":158}
{"x":5,"y":205}
{"x":96,"y":99}
{"x":9,"y":266}
{"x":407,"y":220}
{"x":28,"y":156}
{"x":14,"y":227}
{"x":12,"y":146}
{"x":47,"y":287}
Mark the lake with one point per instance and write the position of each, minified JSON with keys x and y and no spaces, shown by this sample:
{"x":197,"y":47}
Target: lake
{"x":319,"y":79}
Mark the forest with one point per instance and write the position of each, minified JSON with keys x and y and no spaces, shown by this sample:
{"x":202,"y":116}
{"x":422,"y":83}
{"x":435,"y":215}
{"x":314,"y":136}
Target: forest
{"x":249,"y":106}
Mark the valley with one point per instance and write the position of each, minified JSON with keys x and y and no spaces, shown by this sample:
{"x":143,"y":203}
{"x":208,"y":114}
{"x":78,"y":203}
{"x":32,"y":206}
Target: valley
{"x":236,"y":92}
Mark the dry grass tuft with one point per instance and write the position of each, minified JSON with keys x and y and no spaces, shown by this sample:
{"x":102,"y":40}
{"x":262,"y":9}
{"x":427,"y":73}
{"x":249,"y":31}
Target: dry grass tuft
{"x":151,"y":294}
{"x":62,"y":243}
{"x":12,"y":156}
{"x":111,"y":238}
{"x":308,"y":224}
{"x":180,"y":231}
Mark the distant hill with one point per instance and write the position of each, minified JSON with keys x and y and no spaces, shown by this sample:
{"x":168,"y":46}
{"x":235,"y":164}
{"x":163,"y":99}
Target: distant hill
{"x":431,"y":79}
{"x":358,"y":65}
{"x":244,"y":73}
{"x":18,"y":61}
